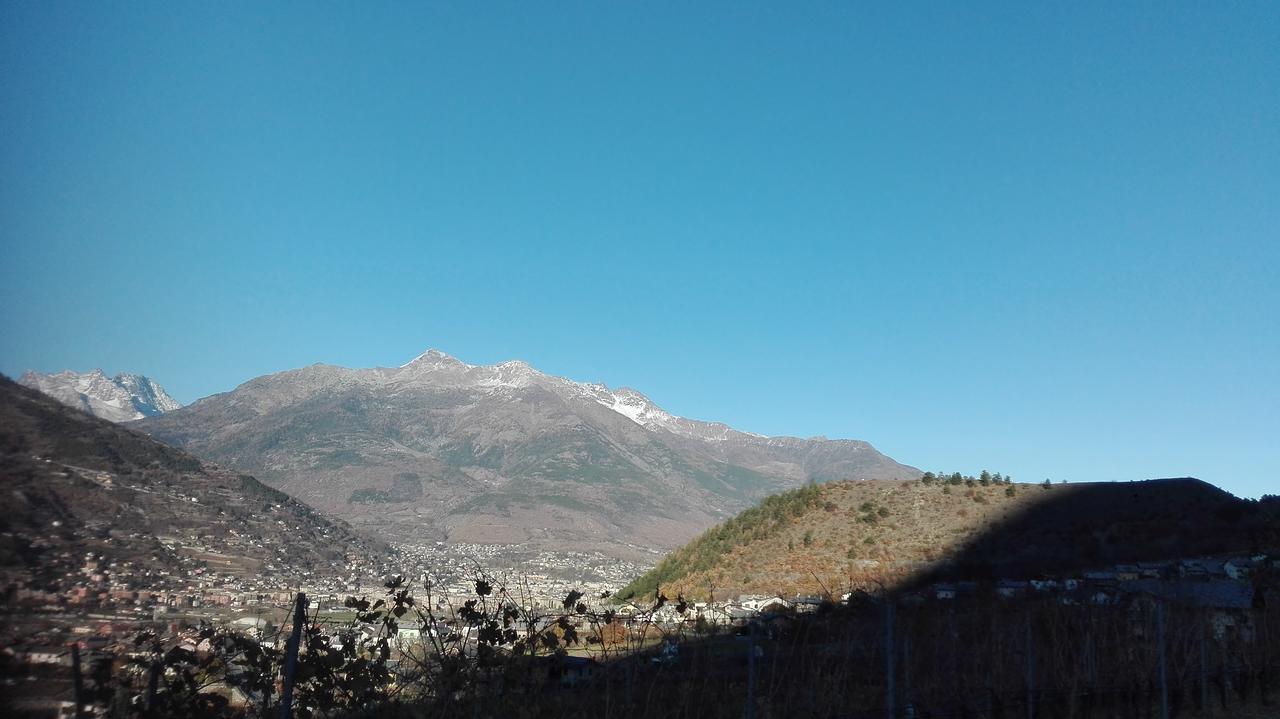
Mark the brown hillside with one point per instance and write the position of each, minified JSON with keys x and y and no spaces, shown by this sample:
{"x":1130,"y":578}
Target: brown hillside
{"x":857,"y":534}
{"x":75,"y":484}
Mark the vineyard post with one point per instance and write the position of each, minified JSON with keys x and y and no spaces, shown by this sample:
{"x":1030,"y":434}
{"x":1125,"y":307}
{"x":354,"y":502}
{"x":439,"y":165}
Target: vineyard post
{"x":631,"y":676}
{"x":954,"y":669}
{"x":153,"y":678}
{"x":1031,"y":669}
{"x":1090,"y":670}
{"x":79,"y":679}
{"x":1265,"y":615}
{"x":1204,"y":679}
{"x":1164,"y":671}
{"x":750,"y":712}
{"x":909,"y":708}
{"x":890,"y":709}
{"x":291,"y":656}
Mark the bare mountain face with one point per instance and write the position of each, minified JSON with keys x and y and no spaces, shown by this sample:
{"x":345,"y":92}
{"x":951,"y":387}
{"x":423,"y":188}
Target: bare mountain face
{"x":442,"y":450}
{"x":116,"y":399}
{"x":76,"y":484}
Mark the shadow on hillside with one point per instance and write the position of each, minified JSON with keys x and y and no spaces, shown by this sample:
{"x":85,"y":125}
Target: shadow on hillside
{"x":1130,"y":651}
{"x":897,"y":653}
{"x":1072,"y":528}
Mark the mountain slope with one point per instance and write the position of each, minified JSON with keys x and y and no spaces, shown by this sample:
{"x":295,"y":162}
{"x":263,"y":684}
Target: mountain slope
{"x":857,"y":534}
{"x":75,"y":484}
{"x":440,"y":449}
{"x":117,"y":399}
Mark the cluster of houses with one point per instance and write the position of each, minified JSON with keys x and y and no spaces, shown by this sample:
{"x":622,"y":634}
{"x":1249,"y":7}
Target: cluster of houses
{"x":94,"y":602}
{"x":542,"y":578}
{"x":122,"y":586}
{"x":106,"y":603}
{"x":1206,"y":582}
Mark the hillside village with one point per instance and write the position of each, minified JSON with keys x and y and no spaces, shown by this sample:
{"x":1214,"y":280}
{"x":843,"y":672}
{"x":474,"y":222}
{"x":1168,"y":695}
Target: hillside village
{"x":1226,"y":583}
{"x":101,"y":624}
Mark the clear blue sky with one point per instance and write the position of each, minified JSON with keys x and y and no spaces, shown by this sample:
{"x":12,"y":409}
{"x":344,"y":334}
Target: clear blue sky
{"x":1040,"y":238}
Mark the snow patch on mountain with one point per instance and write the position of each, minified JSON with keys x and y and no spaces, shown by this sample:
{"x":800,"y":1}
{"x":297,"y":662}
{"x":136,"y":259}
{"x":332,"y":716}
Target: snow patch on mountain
{"x":508,"y":374}
{"x":440,"y":369}
{"x":637,"y":408}
{"x":434,"y":358}
{"x":121,"y":398}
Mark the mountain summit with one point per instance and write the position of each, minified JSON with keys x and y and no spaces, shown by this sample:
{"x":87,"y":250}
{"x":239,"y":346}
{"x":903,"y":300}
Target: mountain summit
{"x":441,"y":449}
{"x":117,"y":399}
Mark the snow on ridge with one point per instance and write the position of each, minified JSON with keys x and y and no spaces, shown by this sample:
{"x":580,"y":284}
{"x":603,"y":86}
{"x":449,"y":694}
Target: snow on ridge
{"x":118,"y":399}
{"x":640,"y":409}
{"x":435,"y":357}
{"x":635,"y":411}
{"x":517,"y":374}
{"x":512,"y":373}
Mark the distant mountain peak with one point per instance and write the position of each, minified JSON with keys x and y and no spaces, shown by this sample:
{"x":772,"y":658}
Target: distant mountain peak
{"x":125,"y":397}
{"x":503,"y":453}
{"x":435,"y":367}
{"x":435,"y":358}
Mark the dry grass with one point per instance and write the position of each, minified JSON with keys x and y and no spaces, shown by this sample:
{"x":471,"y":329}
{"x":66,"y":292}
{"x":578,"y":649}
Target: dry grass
{"x":861,"y":534}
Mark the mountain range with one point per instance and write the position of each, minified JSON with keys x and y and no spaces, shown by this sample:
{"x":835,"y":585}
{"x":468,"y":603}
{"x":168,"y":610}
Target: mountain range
{"x":75,"y":484}
{"x":438,"y":449}
{"x":116,"y":399}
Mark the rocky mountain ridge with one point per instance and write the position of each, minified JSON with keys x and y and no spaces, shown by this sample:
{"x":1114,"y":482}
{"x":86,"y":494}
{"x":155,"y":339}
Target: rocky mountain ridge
{"x":121,"y":398}
{"x":440,"y":449}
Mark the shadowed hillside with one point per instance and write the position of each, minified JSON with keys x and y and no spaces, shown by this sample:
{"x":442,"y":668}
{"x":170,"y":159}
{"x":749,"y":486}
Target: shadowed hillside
{"x":1070,"y":527}
{"x":76,"y":484}
{"x":843,"y":535}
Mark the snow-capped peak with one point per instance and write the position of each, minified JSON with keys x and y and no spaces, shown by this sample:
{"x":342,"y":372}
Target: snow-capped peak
{"x":437,"y":368}
{"x":118,"y":399}
{"x":634,"y":406}
{"x":512,"y":373}
{"x":435,"y":358}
